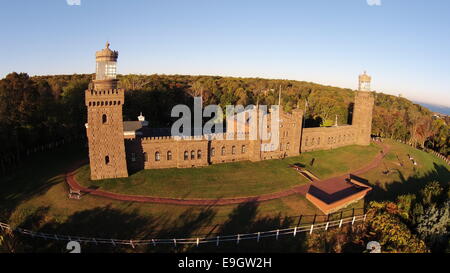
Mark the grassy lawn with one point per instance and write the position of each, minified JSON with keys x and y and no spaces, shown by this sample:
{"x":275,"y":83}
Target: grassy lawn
{"x":407,"y":178}
{"x":36,"y":197}
{"x":215,"y":181}
{"x":330,"y":163}
{"x":238,"y":179}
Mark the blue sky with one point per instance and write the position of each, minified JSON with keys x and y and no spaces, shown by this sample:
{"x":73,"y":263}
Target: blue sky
{"x":403,"y":44}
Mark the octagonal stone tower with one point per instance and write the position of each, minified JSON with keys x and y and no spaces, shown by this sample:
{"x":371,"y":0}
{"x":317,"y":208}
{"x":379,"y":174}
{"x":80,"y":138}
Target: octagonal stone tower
{"x":104,"y":127}
{"x":362,"y":110}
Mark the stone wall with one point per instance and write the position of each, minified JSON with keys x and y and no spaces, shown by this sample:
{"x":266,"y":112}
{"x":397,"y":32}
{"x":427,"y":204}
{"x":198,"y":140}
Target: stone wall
{"x":362,"y":116}
{"x":325,"y":138}
{"x":108,"y":140}
{"x":104,"y":130}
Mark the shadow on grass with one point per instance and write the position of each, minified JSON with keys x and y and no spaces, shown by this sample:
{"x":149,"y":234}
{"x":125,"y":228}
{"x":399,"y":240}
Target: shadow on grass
{"x":389,"y":192}
{"x":43,"y":170}
{"x":243,"y":219}
{"x":107,"y":222}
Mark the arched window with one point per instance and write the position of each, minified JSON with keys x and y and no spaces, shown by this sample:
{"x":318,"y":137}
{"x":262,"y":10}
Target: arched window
{"x":145,"y":157}
{"x":107,"y":160}
{"x":223,"y":150}
{"x":199,"y":154}
{"x":306,"y":142}
{"x":318,"y":141}
{"x":192,"y":155}
{"x":157,"y":156}
{"x":243,"y":149}
{"x":312,"y":142}
{"x":186,"y":155}
{"x":287,"y":146}
{"x":213,"y":152}
{"x":169,"y":155}
{"x":233,"y":150}
{"x":104,"y":119}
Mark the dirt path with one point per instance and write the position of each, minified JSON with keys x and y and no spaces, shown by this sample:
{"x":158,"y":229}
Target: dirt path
{"x":328,"y":185}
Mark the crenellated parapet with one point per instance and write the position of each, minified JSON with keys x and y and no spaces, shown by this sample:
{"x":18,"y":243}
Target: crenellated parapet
{"x":110,"y":97}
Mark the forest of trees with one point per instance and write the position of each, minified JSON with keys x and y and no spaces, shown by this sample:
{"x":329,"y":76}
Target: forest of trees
{"x":38,"y":110}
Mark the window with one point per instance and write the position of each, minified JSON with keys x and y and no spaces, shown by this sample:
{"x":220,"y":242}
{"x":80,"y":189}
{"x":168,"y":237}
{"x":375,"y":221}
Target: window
{"x":169,"y":155}
{"x":223,"y":150}
{"x":145,"y":157}
{"x":199,"y":154}
{"x":157,"y":156}
{"x":133,"y":157}
{"x":107,"y":160}
{"x":233,"y":150}
{"x":105,"y":70}
{"x":318,"y":141}
{"x":244,"y":149}
{"x":192,"y":155}
{"x":186,"y":155}
{"x":287,"y":146}
{"x":306,"y":142}
{"x":213,"y":152}
{"x":312,"y":142}
{"x":104,"y":119}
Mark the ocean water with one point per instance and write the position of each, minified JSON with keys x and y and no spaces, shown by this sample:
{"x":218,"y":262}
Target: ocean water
{"x":435,"y":108}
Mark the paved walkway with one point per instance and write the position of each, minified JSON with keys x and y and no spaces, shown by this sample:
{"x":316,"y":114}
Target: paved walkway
{"x":330,"y":186}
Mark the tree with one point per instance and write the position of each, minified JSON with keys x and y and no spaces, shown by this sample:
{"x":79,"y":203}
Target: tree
{"x":433,"y":224}
{"x":431,"y":192}
{"x":405,"y":205}
{"x":388,"y":229}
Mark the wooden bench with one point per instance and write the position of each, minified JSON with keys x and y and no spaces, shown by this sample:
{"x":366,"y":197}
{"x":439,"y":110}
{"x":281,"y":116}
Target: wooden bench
{"x":74,"y":194}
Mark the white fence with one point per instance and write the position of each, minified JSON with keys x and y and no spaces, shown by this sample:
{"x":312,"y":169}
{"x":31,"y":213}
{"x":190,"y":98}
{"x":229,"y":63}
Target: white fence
{"x":236,"y":238}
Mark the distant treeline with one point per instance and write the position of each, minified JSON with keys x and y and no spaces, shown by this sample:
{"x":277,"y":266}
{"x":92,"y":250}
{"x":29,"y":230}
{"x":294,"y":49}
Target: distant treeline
{"x":41,"y":109}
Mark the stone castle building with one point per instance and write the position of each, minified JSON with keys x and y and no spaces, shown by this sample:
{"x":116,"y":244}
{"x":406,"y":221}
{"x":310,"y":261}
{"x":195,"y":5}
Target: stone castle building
{"x":117,"y":147}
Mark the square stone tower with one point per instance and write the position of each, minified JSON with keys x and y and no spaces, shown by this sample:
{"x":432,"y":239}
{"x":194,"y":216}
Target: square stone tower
{"x":104,"y":126}
{"x":362,"y":110}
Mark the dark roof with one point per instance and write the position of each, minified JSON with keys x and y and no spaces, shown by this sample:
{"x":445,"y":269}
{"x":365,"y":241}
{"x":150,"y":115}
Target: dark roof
{"x":136,"y":126}
{"x":131,"y":126}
